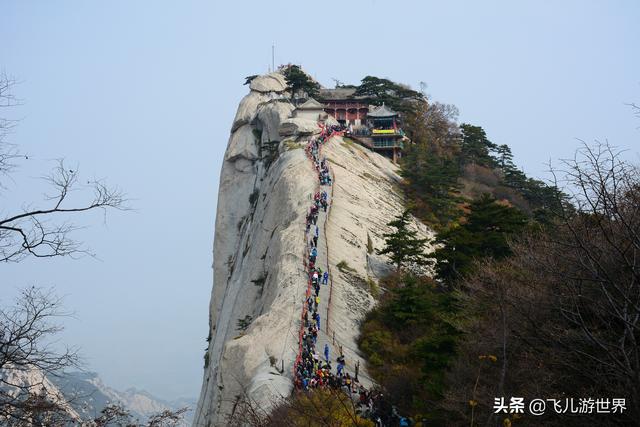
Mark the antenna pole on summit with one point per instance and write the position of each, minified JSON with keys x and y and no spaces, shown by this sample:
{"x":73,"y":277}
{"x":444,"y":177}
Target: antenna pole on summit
{"x":273,"y":57}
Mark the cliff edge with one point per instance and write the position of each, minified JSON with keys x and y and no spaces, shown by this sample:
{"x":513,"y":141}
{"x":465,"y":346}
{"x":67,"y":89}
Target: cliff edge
{"x":259,"y":281}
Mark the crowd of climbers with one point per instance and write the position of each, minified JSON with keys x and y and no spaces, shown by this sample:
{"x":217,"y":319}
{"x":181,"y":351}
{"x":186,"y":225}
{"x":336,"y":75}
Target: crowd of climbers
{"x":314,"y":370}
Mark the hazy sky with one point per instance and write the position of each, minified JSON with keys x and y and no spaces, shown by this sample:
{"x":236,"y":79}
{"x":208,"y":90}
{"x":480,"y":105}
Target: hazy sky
{"x":143,"y":94}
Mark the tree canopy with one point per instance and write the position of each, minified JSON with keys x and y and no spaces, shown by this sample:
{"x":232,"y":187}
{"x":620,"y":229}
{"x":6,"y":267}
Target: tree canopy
{"x":446,"y":162}
{"x":409,"y":342}
{"x":476,"y":146}
{"x":385,"y":91}
{"x":402,"y":245}
{"x":298,"y":81}
{"x":484,"y":234}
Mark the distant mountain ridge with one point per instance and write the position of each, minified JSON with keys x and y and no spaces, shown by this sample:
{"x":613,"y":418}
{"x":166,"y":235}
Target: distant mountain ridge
{"x":18,"y":382}
{"x":88,"y":395}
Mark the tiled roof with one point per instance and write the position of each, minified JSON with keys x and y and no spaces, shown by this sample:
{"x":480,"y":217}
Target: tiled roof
{"x":311,"y":104}
{"x":338,"y":93}
{"x":381,"y":111}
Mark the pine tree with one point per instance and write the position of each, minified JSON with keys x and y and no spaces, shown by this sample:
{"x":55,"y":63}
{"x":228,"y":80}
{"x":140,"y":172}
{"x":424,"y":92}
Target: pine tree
{"x":475,"y":146}
{"x":299,"y":81}
{"x":388,"y":92}
{"x":431,"y":179}
{"x":504,"y":158}
{"x":484,"y":234}
{"x":403,"y":246}
{"x":249,"y":79}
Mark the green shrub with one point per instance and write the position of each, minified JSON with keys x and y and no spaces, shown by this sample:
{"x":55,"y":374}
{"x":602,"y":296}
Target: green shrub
{"x":374,"y":289}
{"x":344,"y":267}
{"x":291,"y":145}
{"x":243,"y":324}
{"x":409,"y":341}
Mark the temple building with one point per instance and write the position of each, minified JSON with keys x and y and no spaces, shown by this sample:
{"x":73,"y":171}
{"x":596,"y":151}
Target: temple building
{"x":342,"y":104}
{"x":375,"y":127}
{"x":386,"y":135}
{"x":311,"y":109}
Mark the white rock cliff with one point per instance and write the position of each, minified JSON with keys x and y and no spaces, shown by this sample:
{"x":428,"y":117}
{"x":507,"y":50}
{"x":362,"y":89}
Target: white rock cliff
{"x":266,"y":185}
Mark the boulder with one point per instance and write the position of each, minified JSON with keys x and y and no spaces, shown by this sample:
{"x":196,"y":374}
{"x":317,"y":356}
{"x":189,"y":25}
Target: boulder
{"x":273,"y":82}
{"x":269,"y":118}
{"x":242,"y":145}
{"x":298,"y":126}
{"x":247,"y":109}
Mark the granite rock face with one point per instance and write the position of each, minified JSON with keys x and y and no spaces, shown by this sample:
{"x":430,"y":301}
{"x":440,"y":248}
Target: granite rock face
{"x":272,"y":82}
{"x":258,"y":276}
{"x":259,"y":281}
{"x":16,"y":380}
{"x":298,"y":126}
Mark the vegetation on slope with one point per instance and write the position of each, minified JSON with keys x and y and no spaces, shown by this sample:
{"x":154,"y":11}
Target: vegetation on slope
{"x":448,"y":165}
{"x":321,"y":408}
{"x":483,"y":234}
{"x":560,"y":313}
{"x":409,"y":342}
{"x":536,"y":293}
{"x":411,"y":338}
{"x":299,"y":82}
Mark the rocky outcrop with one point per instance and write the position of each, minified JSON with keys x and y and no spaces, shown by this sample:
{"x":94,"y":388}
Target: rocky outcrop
{"x":88,"y":395}
{"x":258,"y":274}
{"x":298,"y":126}
{"x":259,"y":281}
{"x":242,"y":146}
{"x":17,"y":382}
{"x":366,"y":196}
{"x":269,"y":119}
{"x":269,"y":83}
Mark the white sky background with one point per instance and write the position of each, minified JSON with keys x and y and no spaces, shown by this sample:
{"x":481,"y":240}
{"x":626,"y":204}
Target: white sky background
{"x":143,"y":94}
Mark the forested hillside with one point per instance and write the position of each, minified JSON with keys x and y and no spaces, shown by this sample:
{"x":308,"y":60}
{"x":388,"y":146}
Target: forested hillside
{"x":535,"y":292}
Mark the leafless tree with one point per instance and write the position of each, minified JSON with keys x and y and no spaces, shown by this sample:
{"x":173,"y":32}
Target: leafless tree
{"x":111,"y":415}
{"x":33,"y":232}
{"x":317,"y":408}
{"x":8,"y":152}
{"x":166,"y":418}
{"x":26,"y":332}
{"x":39,"y":410}
{"x":28,"y":353}
{"x":116,"y":415}
{"x":46,"y":231}
{"x":599,"y":275}
{"x":636,"y":109}
{"x":564,"y":310}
